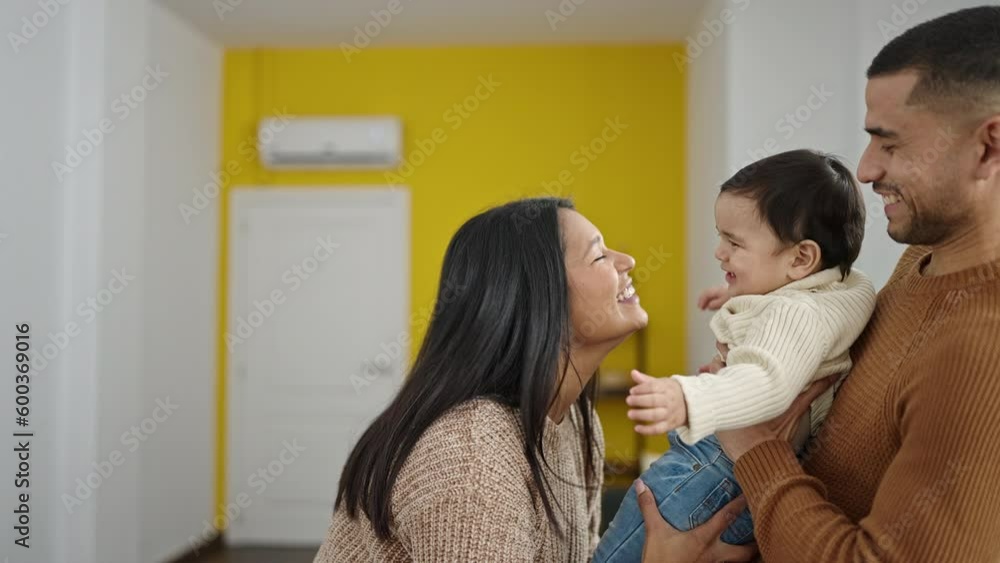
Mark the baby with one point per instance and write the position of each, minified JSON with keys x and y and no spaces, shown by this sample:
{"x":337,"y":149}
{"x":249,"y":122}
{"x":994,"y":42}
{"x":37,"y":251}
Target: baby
{"x":790,"y":228}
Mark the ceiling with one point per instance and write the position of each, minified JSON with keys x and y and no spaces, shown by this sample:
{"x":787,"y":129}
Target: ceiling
{"x":286,"y":23}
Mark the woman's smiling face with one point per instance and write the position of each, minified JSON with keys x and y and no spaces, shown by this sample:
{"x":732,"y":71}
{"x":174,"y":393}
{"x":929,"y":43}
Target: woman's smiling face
{"x":604,"y":307}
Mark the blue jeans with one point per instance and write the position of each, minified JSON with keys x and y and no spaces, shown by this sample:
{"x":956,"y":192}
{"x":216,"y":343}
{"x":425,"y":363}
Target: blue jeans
{"x":690,"y":483}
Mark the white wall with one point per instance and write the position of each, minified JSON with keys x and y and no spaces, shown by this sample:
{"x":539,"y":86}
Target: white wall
{"x":180,"y":302}
{"x":67,"y":232}
{"x":708,"y":159}
{"x":763,"y":67}
{"x":34,"y":113}
{"x":67,"y":235}
{"x":120,"y":342}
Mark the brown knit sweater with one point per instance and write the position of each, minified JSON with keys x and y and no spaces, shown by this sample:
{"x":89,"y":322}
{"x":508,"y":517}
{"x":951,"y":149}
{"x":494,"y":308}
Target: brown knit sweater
{"x":907,"y":466}
{"x":465,"y":494}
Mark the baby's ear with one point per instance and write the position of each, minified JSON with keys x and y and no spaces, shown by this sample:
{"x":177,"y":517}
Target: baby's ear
{"x":806,"y":259}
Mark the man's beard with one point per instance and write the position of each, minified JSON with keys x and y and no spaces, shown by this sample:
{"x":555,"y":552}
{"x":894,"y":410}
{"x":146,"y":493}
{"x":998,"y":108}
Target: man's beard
{"x":925,"y":232}
{"x":930,"y":228}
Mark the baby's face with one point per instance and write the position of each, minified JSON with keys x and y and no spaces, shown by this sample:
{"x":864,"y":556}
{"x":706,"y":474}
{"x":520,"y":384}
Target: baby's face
{"x":754,"y":259}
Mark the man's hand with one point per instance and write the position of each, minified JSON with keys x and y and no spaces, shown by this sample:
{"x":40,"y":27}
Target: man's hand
{"x":664,"y":544}
{"x":658,"y":401}
{"x":738,"y":442}
{"x":713,"y":298}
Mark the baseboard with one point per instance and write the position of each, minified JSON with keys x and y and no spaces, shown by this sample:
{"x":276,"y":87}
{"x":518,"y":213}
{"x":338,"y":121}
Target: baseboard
{"x":191,"y":556}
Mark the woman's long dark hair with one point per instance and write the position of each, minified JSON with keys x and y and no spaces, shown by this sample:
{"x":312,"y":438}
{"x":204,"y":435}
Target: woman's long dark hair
{"x":500,"y":330}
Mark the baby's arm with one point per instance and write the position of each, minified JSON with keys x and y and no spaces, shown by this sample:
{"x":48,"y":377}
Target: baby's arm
{"x":783,"y":349}
{"x":718,"y":362}
{"x":713,"y":298}
{"x":656,"y":401}
{"x":660,"y":401}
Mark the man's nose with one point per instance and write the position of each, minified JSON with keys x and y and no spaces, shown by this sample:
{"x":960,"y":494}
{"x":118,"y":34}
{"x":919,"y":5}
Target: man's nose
{"x":870,"y":170}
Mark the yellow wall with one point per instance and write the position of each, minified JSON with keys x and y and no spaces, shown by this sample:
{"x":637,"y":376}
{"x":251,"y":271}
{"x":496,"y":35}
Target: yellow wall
{"x":518,"y":140}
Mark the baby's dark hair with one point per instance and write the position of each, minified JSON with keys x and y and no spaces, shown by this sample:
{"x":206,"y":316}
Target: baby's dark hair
{"x":807,"y":195}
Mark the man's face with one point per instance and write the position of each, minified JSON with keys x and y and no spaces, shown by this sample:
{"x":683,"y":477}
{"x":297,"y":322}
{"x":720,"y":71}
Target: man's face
{"x":912,"y":162}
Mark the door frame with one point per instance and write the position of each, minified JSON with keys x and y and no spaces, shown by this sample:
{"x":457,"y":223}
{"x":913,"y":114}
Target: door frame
{"x":241,"y":201}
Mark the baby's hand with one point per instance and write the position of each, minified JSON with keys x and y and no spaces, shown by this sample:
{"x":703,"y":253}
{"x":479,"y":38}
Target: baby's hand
{"x":713,"y":367}
{"x":656,"y":400}
{"x":713,"y":298}
{"x":723,"y":350}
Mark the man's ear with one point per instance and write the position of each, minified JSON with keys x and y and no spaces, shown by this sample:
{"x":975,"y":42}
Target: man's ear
{"x":806,"y":259}
{"x":988,"y":136}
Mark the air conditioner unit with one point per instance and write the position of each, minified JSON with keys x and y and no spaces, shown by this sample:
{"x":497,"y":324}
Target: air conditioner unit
{"x":366,"y":142}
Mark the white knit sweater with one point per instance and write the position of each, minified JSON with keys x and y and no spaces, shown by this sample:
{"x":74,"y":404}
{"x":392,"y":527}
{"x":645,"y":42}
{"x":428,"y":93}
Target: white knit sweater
{"x":778,"y":344}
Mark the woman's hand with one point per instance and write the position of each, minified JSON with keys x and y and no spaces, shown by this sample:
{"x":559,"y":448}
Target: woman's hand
{"x":664,"y":544}
{"x":738,"y":442}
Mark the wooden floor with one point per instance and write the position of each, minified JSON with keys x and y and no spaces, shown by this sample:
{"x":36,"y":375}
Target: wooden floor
{"x":257,"y":555}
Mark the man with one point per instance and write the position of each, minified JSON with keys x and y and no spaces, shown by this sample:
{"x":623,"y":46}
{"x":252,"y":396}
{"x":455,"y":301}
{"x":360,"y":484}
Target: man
{"x":907,"y":466}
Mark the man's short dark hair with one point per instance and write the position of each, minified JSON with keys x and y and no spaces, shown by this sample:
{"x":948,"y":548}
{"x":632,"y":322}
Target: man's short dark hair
{"x":807,"y":195}
{"x":957,"y":56}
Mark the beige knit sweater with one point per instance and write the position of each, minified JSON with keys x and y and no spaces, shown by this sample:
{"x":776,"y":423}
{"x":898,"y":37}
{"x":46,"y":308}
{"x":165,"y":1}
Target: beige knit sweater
{"x":465,"y":494}
{"x":779,"y":343}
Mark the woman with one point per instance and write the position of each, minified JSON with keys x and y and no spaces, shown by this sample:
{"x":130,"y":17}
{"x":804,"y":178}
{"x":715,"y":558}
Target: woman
{"x":492,"y":450}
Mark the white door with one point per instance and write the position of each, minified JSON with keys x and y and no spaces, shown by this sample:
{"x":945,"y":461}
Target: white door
{"x":318,"y":285}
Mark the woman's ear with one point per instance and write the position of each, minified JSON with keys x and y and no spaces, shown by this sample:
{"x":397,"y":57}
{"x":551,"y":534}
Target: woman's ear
{"x":806,"y":259}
